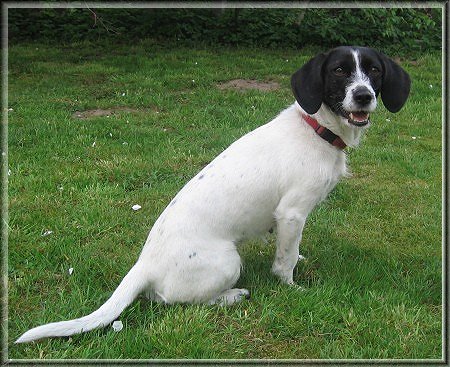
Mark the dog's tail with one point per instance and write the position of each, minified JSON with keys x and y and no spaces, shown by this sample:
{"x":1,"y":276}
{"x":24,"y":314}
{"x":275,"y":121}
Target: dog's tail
{"x":127,"y":291}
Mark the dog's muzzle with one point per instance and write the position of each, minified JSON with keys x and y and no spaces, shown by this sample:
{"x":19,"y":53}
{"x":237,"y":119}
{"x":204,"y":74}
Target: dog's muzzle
{"x":363,"y":99}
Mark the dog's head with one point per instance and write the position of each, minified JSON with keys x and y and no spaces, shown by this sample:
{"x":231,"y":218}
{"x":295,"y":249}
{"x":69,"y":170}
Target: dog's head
{"x":348,"y":81}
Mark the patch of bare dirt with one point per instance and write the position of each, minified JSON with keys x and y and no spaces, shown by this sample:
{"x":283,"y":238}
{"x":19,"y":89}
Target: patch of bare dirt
{"x":244,"y":84}
{"x":97,"y":112}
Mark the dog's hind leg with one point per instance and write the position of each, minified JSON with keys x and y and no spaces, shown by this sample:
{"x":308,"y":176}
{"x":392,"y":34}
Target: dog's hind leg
{"x":199,"y":272}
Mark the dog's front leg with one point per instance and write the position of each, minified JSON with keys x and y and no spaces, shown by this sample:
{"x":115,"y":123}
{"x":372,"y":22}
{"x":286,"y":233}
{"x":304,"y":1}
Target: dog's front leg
{"x":289,"y":234}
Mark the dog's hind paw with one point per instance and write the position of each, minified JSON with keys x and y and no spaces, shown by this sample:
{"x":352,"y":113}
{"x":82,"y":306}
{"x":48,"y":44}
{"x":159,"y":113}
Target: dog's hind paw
{"x":230,"y":297}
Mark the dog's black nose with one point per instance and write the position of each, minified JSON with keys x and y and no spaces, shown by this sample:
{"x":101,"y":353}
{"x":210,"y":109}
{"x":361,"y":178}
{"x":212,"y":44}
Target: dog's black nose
{"x":362,"y":96}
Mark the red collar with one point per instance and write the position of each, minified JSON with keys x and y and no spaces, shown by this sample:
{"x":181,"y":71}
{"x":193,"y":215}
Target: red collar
{"x":324,"y":133}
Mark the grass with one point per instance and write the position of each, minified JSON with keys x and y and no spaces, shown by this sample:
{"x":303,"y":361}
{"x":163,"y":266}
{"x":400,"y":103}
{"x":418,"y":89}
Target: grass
{"x":373,"y":274}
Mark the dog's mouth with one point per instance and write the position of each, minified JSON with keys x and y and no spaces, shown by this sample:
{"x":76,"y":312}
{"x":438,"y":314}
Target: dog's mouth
{"x":358,"y":118}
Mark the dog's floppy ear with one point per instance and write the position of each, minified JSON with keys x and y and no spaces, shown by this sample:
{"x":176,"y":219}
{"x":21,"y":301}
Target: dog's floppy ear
{"x":396,"y":84}
{"x":307,"y":84}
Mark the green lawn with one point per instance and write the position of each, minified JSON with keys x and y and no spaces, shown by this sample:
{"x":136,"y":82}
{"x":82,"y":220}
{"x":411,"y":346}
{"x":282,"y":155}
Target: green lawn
{"x":373,"y":269}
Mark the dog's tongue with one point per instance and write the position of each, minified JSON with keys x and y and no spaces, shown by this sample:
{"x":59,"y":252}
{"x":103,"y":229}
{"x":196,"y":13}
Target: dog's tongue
{"x":359,"y":116}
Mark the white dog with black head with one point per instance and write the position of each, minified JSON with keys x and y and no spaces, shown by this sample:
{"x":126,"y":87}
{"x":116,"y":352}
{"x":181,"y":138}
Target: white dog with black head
{"x":272,"y":177}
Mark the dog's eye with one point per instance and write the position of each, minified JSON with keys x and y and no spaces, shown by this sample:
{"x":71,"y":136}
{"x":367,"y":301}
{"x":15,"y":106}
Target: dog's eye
{"x":339,"y":72}
{"x":374,"y":70}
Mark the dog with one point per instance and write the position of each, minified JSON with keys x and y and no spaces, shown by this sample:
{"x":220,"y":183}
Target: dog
{"x":270,"y":178}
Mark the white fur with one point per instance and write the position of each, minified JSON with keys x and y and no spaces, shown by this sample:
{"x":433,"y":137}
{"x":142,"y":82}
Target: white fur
{"x":359,"y":79}
{"x":273,"y":176}
{"x":350,"y":134}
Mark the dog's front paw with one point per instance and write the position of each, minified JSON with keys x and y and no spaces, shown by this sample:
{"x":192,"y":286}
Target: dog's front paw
{"x":286,"y":276}
{"x":298,"y":287}
{"x":288,"y":279}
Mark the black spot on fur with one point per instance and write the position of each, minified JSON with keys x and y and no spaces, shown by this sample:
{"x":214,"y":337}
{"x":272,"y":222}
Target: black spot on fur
{"x":192,"y":255}
{"x":201,"y":176}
